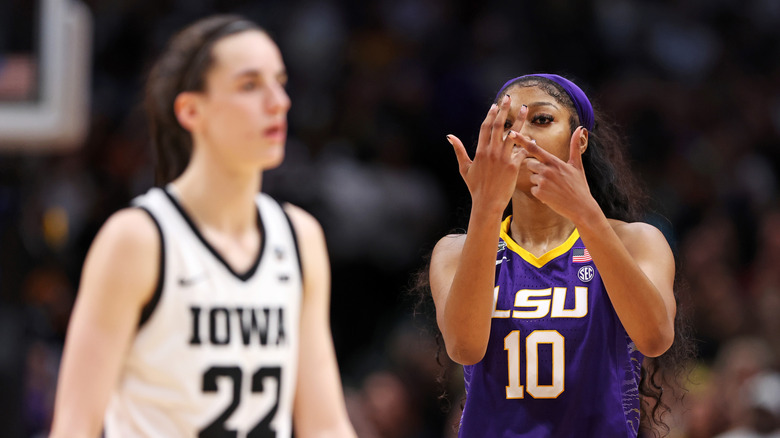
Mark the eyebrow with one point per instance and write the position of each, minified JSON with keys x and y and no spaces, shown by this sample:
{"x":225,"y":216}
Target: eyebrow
{"x":251,"y":72}
{"x":543,"y":104}
{"x":248,"y":72}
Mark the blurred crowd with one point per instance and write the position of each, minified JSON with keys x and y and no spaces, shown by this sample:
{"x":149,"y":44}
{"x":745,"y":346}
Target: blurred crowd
{"x":375,"y":86}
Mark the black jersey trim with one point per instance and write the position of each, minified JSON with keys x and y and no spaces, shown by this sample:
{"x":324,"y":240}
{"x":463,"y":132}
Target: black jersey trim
{"x":149,"y":307}
{"x":241,"y":276}
{"x":295,"y":241}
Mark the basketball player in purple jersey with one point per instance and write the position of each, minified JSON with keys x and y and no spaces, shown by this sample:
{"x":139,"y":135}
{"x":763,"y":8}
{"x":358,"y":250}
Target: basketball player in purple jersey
{"x":552,"y":309}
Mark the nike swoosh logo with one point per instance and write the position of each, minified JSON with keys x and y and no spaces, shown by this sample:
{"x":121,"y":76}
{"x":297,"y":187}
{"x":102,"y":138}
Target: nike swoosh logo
{"x":189,"y":281}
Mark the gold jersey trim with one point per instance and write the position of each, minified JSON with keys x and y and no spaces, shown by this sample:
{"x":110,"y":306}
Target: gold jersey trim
{"x":530,"y":258}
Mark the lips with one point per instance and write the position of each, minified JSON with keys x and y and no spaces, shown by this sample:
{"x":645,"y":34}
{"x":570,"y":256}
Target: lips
{"x":276,"y":132}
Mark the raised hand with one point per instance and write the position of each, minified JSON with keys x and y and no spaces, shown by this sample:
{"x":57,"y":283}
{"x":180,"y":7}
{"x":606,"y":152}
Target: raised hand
{"x":492,"y":175}
{"x":560,"y":185}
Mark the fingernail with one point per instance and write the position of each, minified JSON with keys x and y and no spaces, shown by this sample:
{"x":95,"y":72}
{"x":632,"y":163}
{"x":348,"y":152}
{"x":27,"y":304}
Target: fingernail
{"x":449,"y":139}
{"x":525,"y":106}
{"x":494,"y":106}
{"x":506,"y":98}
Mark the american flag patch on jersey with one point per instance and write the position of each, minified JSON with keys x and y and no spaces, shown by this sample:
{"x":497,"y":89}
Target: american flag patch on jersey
{"x":580,"y":255}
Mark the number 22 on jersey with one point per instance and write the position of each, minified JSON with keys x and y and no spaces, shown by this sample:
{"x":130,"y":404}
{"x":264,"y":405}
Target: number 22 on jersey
{"x":217,"y":428}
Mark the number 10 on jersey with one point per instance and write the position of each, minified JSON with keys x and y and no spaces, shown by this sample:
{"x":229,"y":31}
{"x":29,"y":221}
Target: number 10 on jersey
{"x":512,"y":345}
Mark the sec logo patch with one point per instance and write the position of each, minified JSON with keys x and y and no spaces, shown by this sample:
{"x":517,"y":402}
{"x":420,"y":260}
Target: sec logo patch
{"x":585,"y":273}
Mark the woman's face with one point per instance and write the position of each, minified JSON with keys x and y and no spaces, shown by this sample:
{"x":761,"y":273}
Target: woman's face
{"x":547,"y":123}
{"x":243,"y":117}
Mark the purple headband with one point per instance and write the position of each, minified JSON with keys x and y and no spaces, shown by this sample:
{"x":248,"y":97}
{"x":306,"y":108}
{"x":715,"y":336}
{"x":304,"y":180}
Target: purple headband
{"x":581,"y":102}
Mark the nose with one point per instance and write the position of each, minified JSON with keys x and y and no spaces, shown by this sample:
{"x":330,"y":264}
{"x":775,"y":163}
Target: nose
{"x":277,"y":100}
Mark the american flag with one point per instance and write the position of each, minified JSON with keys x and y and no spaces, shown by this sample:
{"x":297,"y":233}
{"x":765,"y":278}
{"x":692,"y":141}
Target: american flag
{"x":580,"y":255}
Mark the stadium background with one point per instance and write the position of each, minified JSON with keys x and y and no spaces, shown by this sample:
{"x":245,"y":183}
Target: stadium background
{"x":375,"y":86}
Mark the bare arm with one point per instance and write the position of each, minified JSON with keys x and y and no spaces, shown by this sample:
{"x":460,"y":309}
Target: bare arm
{"x":320,"y":410}
{"x":634,"y":260}
{"x":637,"y":267}
{"x":119,"y":277}
{"x":462,"y":272}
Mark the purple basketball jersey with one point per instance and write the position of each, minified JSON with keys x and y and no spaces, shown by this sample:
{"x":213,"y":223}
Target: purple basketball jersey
{"x":559,"y":362}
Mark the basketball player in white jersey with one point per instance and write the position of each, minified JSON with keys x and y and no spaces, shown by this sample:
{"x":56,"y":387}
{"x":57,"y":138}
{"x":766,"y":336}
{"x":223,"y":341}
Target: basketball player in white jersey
{"x":203,"y":309}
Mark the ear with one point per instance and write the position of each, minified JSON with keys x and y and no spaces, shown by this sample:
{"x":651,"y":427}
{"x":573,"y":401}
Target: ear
{"x":583,"y":140}
{"x":187,"y":109}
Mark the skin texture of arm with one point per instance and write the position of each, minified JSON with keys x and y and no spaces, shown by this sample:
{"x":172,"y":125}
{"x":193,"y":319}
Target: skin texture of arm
{"x":119,"y":277}
{"x":462,"y":288}
{"x":637,"y":267}
{"x":319,"y":410}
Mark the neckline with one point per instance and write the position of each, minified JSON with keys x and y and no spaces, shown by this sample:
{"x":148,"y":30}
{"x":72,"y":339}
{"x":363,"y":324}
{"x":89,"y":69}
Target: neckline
{"x":168,"y":190}
{"x":540,"y":261}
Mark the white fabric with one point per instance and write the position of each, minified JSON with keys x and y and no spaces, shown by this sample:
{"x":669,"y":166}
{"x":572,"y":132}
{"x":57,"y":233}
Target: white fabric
{"x":204,"y":320}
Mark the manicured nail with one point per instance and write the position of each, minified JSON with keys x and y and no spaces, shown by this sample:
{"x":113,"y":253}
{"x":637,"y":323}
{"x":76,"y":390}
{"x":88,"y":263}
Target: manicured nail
{"x":449,"y":139}
{"x":506,"y":98}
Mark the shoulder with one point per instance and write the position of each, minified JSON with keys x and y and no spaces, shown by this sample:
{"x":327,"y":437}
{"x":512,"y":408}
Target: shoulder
{"x":451,"y":242}
{"x":313,"y":254}
{"x":132,"y":229}
{"x":636,"y":232}
{"x":641,"y":237}
{"x":306,"y":227}
{"x":311,"y":244}
{"x":448,"y":247}
{"x":124,"y":259}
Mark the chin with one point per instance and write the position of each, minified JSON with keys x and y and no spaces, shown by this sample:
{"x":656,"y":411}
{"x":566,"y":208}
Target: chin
{"x":274,"y":164}
{"x":273,"y":157}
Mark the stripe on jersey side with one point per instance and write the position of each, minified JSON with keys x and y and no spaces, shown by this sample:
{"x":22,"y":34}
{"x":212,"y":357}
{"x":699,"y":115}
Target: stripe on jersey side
{"x":295,"y":241}
{"x":149,"y":307}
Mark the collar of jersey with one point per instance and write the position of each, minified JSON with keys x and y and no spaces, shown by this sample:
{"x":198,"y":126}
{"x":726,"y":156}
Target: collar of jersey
{"x":530,"y":258}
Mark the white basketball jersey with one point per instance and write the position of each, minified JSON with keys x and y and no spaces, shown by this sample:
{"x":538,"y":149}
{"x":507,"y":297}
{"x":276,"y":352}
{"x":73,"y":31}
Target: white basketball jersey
{"x":215,"y":354}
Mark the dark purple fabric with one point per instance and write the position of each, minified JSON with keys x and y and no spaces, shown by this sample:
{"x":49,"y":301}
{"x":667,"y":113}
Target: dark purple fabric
{"x":581,"y":102}
{"x":601,"y":366}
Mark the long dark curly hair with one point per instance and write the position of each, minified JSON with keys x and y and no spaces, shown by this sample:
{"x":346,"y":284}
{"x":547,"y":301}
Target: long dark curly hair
{"x":621,"y":197}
